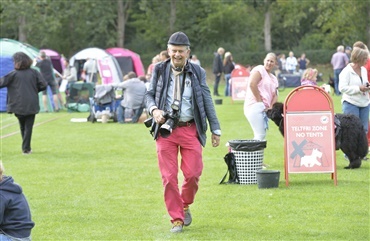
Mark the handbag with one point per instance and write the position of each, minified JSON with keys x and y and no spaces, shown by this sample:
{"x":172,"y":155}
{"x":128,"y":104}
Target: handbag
{"x":231,"y":169}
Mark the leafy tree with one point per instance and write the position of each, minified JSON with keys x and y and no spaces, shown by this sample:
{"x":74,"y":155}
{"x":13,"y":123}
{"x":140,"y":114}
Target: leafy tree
{"x":344,"y":22}
{"x":122,"y":17}
{"x":247,"y":28}
{"x":18,"y":18}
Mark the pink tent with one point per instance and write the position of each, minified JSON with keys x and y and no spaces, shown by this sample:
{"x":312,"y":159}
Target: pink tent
{"x":127,"y":60}
{"x":56,"y":59}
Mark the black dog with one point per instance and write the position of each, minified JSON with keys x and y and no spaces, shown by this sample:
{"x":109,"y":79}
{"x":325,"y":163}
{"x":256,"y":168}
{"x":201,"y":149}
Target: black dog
{"x":350,"y":135}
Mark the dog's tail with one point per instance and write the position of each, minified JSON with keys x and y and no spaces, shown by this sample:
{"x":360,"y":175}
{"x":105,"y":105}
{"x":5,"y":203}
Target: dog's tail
{"x":362,"y":150}
{"x":363,"y":147}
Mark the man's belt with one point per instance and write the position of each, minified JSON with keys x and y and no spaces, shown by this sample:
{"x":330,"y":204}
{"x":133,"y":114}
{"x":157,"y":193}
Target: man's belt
{"x":185,"y":123}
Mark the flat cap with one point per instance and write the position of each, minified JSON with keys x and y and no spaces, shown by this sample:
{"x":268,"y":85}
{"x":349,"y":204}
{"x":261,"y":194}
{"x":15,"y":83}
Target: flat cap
{"x":179,"y":38}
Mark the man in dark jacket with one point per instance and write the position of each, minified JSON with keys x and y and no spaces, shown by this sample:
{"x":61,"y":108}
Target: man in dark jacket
{"x":180,"y":102}
{"x":15,"y":214}
{"x":218,"y":69}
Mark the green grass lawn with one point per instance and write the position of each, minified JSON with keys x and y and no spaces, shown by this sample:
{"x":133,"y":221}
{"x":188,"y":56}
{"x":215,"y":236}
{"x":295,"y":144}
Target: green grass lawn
{"x":100,"y":181}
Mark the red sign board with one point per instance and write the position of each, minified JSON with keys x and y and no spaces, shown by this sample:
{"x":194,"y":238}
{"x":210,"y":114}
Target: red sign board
{"x":309,"y":132}
{"x":239,"y":87}
{"x":239,"y":82}
{"x":309,"y":143}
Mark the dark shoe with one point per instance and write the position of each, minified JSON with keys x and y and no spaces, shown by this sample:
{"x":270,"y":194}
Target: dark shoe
{"x":27,"y":152}
{"x":188,"y":218}
{"x":177,"y":227}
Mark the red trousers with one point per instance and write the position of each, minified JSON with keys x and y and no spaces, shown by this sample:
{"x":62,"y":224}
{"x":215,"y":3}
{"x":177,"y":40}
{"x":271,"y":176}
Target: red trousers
{"x":183,"y":140}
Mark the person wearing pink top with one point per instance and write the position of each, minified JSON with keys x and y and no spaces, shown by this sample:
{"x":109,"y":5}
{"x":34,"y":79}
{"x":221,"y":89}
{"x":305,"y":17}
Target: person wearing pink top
{"x":361,"y":45}
{"x":309,"y":77}
{"x":367,"y":67}
{"x":261,"y":95}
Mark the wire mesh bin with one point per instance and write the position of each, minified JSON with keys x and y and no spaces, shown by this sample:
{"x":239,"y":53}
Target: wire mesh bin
{"x":248,"y":159}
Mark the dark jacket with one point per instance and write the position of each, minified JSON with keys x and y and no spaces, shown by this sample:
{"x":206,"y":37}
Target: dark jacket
{"x":23,"y":88}
{"x":15,"y":215}
{"x":217,"y":64}
{"x":202,"y":103}
{"x":229,"y":67}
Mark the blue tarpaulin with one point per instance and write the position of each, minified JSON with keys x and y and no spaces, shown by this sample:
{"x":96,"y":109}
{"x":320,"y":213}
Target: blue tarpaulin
{"x":6,"y":66}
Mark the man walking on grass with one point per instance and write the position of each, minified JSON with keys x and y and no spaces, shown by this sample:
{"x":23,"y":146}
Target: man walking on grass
{"x":218,"y":68}
{"x":179,"y":94}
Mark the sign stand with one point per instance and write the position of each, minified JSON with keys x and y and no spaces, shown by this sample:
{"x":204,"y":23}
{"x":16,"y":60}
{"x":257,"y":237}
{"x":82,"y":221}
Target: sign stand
{"x":309,"y":143}
{"x":239,"y":82}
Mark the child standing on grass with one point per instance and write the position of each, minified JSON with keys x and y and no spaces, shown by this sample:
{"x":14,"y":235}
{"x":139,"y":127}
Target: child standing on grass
{"x":15,"y":215}
{"x":24,"y":85}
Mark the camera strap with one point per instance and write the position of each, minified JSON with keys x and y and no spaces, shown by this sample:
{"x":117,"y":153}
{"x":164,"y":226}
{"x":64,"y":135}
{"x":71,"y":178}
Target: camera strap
{"x":179,"y":87}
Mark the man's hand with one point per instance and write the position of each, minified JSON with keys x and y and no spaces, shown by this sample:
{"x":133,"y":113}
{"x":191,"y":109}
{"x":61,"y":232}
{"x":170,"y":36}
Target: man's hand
{"x":215,"y":140}
{"x":158,"y":116}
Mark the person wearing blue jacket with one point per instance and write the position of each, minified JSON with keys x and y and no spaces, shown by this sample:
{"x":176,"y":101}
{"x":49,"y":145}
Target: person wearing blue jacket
{"x":15,"y":214}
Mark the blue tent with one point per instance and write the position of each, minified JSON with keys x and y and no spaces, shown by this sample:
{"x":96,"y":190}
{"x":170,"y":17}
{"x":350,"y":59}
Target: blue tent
{"x":8,"y":47}
{"x":6,"y":63}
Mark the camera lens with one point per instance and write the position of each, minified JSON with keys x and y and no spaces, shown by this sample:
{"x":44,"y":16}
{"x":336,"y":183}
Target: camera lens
{"x":166,"y":128}
{"x":148,"y":122}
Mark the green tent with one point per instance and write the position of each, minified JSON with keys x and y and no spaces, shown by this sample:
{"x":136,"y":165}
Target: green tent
{"x":8,"y":47}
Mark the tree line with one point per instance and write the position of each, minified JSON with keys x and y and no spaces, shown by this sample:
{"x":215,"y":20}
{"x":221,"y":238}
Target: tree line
{"x":247,"y":28}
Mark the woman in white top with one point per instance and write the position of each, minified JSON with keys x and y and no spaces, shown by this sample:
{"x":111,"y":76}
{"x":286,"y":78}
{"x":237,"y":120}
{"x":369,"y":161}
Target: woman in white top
{"x":261,"y":95}
{"x":353,"y":84}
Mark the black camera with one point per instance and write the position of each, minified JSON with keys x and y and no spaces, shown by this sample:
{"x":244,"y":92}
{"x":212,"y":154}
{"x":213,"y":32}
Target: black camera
{"x":148,"y":122}
{"x":367,"y":84}
{"x":172,"y":118}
